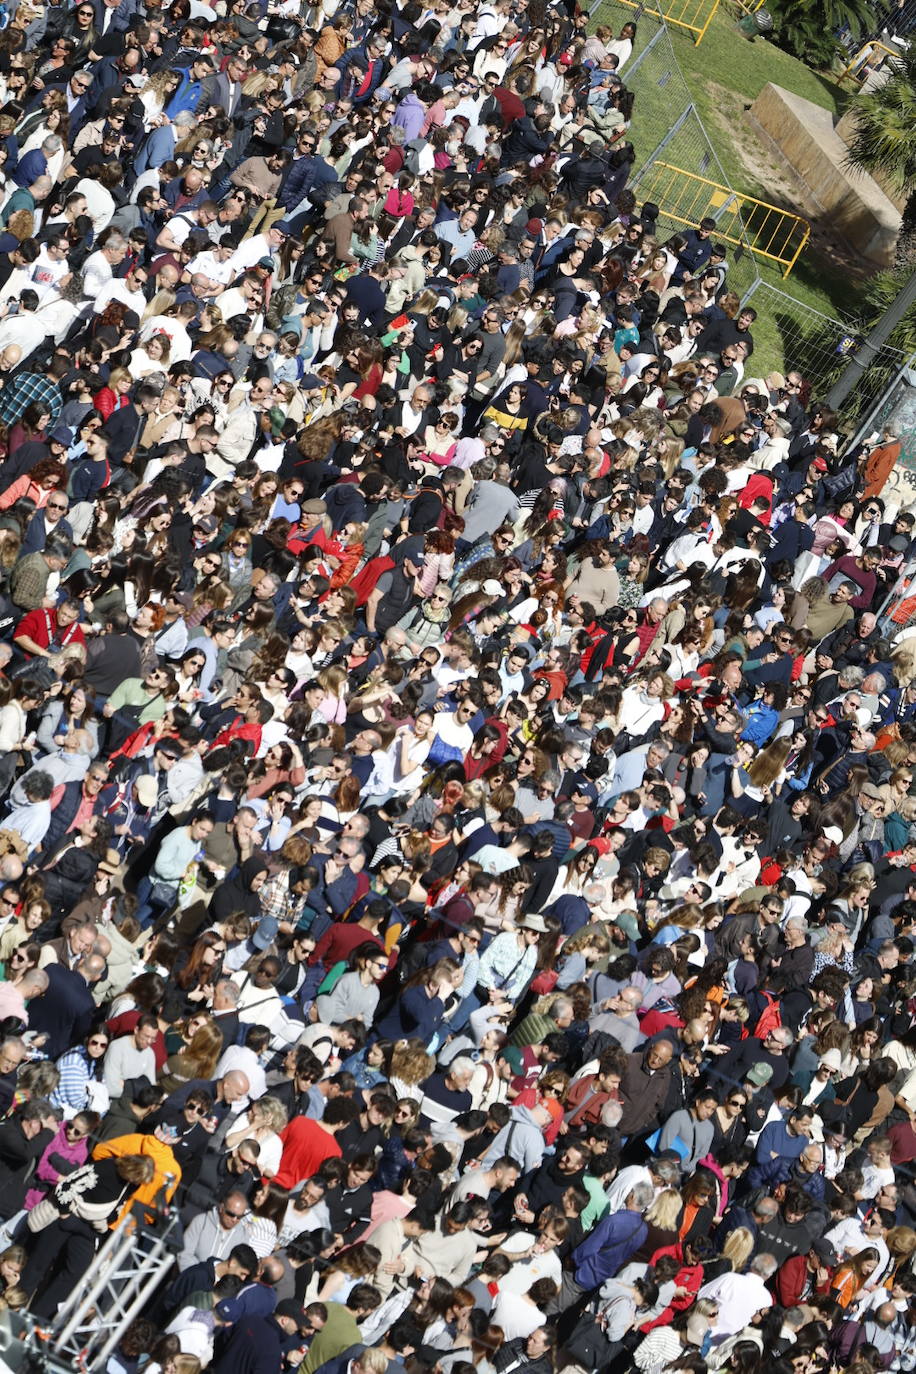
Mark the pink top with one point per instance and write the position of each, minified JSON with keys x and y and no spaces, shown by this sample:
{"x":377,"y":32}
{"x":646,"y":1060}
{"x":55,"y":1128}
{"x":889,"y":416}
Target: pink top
{"x":386,"y":1207}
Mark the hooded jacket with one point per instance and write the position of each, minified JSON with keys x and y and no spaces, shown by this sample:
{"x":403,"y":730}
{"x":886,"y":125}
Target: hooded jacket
{"x":522,"y":1140}
{"x":236,"y":895}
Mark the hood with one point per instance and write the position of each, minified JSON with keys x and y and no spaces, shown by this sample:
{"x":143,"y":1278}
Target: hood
{"x":250,"y":870}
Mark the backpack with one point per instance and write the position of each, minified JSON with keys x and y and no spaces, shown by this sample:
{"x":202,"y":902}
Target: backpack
{"x":364,"y":582}
{"x":770,"y":1018}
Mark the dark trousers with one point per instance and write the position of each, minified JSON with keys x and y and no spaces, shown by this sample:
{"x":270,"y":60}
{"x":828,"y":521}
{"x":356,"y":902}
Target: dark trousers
{"x":59,"y":1258}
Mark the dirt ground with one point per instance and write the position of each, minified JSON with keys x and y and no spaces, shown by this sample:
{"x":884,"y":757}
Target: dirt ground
{"x":767,"y":168}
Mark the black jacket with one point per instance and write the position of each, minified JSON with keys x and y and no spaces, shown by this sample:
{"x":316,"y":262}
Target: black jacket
{"x":18,"y":1158}
{"x":64,"y":1012}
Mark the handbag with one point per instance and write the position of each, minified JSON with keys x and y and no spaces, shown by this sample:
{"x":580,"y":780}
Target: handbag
{"x":163,"y":895}
{"x":545,"y":981}
{"x":42,"y":1215}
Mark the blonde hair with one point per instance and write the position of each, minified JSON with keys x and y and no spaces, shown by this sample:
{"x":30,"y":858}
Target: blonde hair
{"x":273,"y":1110}
{"x":334,"y":680}
{"x":666,"y":1210}
{"x":161,"y":304}
{"x":738,"y":1247}
{"x":410,"y":1062}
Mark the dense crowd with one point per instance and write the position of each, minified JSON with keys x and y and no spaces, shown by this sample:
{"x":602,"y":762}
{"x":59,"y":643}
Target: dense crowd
{"x":457,"y":851}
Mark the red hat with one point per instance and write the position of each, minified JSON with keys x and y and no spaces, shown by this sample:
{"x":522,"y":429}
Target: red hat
{"x":820,"y":465}
{"x":602,"y":845}
{"x":534,"y":227}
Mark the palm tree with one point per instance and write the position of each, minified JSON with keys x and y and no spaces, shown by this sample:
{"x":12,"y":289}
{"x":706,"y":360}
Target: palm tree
{"x":884,"y":141}
{"x":812,"y":29}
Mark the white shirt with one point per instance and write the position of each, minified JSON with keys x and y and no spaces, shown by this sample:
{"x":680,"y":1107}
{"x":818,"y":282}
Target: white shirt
{"x":241,"y":1057}
{"x":179,"y":338}
{"x":26,"y":329}
{"x":740,"y":1297}
{"x":100,"y":205}
{"x":96,"y":274}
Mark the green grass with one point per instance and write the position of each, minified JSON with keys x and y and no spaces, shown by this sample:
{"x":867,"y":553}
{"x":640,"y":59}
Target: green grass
{"x":721,"y":77}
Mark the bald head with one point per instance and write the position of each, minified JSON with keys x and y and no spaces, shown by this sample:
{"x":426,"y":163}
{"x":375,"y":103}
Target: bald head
{"x":91,"y":966}
{"x":33,"y":983}
{"x":234,"y":1085}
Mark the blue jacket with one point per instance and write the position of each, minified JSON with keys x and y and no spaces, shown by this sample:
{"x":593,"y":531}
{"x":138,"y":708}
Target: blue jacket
{"x":32,"y":166}
{"x":414,"y":1015}
{"x":157,"y":148}
{"x":606,"y":1250}
{"x":302,"y":176}
{"x":187,"y":97}
{"x":762,"y":721}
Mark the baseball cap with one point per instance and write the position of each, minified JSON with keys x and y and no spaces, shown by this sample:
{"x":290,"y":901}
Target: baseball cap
{"x":825,"y":1252}
{"x":147,"y":791}
{"x":833,"y":833}
{"x":759,"y":1074}
{"x":831,"y":1059}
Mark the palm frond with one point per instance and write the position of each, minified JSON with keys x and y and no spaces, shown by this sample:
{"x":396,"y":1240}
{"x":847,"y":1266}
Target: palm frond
{"x":884,"y":139}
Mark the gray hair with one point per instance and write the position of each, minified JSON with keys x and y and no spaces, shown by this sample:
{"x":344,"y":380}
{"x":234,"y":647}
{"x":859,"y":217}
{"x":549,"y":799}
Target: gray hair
{"x":666,"y":1169}
{"x":643,"y":1195}
{"x":764,"y":1266}
{"x":461,"y":1065}
{"x":229,"y":990}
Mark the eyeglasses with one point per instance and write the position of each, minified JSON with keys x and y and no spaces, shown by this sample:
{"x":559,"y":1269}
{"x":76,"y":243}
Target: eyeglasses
{"x":98,"y":1044}
{"x":57,"y":505}
{"x":236,"y":1216}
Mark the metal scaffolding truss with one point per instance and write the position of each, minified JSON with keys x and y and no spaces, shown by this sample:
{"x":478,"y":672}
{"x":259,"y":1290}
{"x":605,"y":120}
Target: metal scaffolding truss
{"x":123,"y":1275}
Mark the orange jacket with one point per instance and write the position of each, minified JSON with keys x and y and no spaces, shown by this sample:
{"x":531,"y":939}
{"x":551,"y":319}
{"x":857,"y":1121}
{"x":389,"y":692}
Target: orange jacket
{"x":162,"y":1156}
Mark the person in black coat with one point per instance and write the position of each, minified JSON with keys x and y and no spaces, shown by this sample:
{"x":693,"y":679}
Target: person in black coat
{"x":258,"y":1344}
{"x":366,"y":292}
{"x":123,"y":427}
{"x":65,"y":1012}
{"x":24,"y":1138}
{"x":529,"y":1354}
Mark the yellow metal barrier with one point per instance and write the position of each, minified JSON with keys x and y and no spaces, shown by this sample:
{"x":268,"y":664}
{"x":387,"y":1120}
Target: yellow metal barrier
{"x":693,"y":15}
{"x":740,"y":220}
{"x":862,"y":62}
{"x":749,"y":6}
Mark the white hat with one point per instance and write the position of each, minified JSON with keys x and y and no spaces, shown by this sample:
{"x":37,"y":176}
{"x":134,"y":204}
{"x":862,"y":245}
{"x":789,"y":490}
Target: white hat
{"x":147,"y":790}
{"x":831,"y":1059}
{"x":833,"y":833}
{"x":863,"y":717}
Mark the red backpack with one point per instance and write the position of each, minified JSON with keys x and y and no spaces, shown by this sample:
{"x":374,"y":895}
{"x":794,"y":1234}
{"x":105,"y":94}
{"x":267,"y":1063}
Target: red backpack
{"x":770,"y":1018}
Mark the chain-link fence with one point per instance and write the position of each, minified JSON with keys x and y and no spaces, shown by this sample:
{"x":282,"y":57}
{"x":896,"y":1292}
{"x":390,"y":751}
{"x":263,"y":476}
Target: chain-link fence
{"x":668,"y":133}
{"x":666,"y":129}
{"x":819,"y":345}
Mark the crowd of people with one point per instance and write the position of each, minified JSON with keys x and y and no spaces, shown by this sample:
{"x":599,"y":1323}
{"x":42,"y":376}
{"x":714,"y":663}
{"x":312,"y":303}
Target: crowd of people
{"x":457,"y":851}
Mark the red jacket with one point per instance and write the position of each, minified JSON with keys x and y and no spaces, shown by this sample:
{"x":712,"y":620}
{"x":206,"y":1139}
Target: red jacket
{"x":689,"y":1276}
